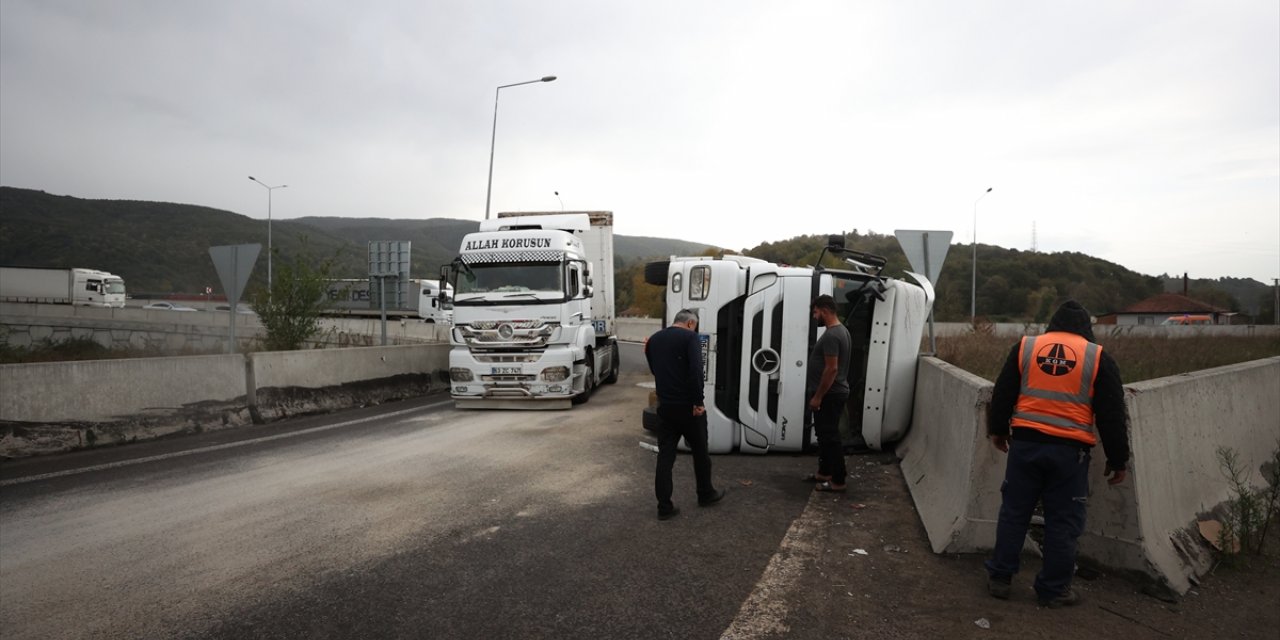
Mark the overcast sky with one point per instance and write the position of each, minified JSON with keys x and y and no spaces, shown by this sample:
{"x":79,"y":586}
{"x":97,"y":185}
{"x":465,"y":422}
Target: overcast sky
{"x":1145,"y":133}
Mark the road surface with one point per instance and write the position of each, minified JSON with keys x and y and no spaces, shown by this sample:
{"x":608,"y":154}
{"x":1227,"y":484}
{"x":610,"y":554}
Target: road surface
{"x":406,"y":520}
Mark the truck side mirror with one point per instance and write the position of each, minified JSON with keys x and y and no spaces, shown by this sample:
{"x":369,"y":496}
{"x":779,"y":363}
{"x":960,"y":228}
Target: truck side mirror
{"x":587,"y":291}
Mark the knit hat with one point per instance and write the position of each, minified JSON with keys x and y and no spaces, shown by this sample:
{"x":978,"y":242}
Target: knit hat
{"x":1072,"y":317}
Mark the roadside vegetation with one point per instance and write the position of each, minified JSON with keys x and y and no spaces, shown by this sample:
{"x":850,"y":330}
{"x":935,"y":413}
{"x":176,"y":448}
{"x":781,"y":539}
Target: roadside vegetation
{"x":1140,"y":357}
{"x":290,"y":310}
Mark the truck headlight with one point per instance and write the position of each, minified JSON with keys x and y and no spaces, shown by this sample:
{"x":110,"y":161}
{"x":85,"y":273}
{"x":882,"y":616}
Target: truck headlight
{"x":460,"y":374}
{"x":555,"y":374}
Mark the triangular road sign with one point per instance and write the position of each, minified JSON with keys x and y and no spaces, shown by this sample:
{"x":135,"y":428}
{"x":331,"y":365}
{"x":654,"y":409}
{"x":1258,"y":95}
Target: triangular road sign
{"x":925,"y":251}
{"x":234,"y":263}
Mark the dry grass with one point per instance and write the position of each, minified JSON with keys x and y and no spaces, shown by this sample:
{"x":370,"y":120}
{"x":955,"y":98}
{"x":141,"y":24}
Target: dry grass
{"x":1139,"y":357}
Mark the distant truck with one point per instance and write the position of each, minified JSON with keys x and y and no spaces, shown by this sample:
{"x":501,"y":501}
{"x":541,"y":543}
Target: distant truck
{"x":79,"y":287}
{"x":757,"y":331}
{"x":433,"y":307}
{"x":420,"y":298}
{"x":533,"y":311}
{"x":1188,"y":320}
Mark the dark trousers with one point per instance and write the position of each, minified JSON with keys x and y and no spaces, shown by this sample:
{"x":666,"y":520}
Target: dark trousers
{"x":1058,"y":476}
{"x":678,"y":422}
{"x":826,"y":424}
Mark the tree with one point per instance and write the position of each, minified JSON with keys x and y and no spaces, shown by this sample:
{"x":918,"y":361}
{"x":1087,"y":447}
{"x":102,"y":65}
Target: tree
{"x":290,"y":310}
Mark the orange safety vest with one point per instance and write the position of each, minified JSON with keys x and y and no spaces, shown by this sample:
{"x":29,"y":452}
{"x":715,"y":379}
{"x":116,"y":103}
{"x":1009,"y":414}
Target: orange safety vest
{"x":1056,"y":397}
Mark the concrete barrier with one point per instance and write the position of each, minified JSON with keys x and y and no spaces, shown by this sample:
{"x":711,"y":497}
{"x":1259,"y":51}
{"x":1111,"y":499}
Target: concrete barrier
{"x":1177,"y":425}
{"x":1146,"y":524}
{"x":56,"y":406}
{"x":953,"y":473}
{"x":637,"y":329}
{"x":109,"y":390}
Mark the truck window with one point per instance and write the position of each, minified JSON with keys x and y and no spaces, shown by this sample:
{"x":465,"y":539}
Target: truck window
{"x":699,"y":282}
{"x":575,"y":282}
{"x":677,"y":281}
{"x":512,"y":278}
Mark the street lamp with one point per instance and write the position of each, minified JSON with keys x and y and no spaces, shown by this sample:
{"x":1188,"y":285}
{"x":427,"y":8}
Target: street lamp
{"x":269,"y":190}
{"x":973,"y":287}
{"x":494,"y":137}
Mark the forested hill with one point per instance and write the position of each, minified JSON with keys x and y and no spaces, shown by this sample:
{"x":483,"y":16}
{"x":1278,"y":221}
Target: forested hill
{"x":1020,"y":286}
{"x":160,"y":247}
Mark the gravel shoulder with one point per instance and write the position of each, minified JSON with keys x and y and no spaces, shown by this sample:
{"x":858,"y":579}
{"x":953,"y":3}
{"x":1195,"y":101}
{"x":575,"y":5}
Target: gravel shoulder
{"x":865,"y":569}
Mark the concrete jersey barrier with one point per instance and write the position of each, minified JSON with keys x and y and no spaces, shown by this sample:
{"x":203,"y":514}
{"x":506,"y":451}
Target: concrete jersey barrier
{"x":1146,"y":524}
{"x":56,"y":406}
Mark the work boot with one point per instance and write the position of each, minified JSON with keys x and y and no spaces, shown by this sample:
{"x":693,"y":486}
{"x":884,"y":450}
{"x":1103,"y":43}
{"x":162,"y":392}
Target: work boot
{"x":999,"y":587}
{"x":1069,"y":598}
{"x":714,"y":498}
{"x":667,"y":515}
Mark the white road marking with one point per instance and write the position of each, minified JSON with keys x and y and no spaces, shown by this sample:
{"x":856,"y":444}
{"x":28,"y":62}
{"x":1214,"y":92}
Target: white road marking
{"x":765,"y":611}
{"x":216,"y":447}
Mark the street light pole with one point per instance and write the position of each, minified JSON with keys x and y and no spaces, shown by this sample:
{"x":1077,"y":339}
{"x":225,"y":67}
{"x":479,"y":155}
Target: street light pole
{"x":973,"y":287}
{"x":494,"y":136}
{"x":269,"y":190}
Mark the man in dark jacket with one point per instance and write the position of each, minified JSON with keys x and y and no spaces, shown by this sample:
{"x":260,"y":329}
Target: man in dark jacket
{"x":1058,"y":394}
{"x":675,"y":359}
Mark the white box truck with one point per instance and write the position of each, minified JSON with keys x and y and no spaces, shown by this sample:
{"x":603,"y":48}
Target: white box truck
{"x":434,"y":308}
{"x":757,"y":331}
{"x":79,"y":287}
{"x":533,"y":311}
{"x":360,"y":296}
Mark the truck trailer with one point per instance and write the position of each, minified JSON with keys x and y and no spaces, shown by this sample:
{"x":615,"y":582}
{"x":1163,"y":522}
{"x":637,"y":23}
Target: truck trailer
{"x":757,"y":334}
{"x":533,"y":311}
{"x":79,"y":287}
{"x":416,"y":298}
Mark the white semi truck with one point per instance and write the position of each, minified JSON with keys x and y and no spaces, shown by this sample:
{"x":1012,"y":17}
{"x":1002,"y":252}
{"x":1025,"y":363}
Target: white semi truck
{"x":79,"y":287}
{"x":757,"y":331}
{"x":421,"y":298}
{"x":533,"y":311}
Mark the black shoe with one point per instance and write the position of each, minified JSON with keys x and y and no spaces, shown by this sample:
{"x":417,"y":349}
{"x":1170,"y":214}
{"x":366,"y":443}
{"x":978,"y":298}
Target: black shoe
{"x":716,"y":497}
{"x":999,"y":587}
{"x":667,"y":515}
{"x":1068,"y":599}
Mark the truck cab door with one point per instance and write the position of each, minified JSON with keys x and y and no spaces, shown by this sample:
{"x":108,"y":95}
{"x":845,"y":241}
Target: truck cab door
{"x":772,"y":404}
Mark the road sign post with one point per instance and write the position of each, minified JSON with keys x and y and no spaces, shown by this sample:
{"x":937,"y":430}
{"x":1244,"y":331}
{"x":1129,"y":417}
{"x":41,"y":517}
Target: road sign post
{"x":389,"y":260}
{"x":926,"y":250}
{"x":234,"y":263}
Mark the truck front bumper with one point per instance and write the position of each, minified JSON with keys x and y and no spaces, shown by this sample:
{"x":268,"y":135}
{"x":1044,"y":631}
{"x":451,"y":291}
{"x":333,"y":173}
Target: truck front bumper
{"x":511,"y":380}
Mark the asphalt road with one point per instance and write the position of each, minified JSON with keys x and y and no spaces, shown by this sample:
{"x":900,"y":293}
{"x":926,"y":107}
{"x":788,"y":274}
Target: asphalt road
{"x":406,"y":520}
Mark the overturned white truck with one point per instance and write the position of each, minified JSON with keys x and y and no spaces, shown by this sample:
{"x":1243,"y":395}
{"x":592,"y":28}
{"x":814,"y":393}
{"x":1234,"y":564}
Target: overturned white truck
{"x":757,"y":332}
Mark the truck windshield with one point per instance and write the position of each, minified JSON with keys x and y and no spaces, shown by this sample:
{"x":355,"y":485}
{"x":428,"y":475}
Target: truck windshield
{"x":512,"y":278}
{"x":114,"y":286}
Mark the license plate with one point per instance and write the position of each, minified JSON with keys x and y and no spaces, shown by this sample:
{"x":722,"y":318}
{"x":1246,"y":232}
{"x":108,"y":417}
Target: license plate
{"x":506,"y":371}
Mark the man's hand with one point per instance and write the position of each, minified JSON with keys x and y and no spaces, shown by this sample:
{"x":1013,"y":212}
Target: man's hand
{"x":1115,"y":476}
{"x":1000,"y":442}
{"x":699,"y":410}
{"x":815,"y":403}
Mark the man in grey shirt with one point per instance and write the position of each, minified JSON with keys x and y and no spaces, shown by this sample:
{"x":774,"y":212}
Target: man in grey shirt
{"x":828,"y":390}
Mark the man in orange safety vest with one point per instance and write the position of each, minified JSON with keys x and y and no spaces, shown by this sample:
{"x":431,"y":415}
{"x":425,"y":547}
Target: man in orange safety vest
{"x":1057,"y":395}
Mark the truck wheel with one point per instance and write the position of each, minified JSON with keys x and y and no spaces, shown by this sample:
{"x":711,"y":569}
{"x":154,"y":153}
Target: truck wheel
{"x":650,"y":420}
{"x":656,"y":273}
{"x":615,"y":366}
{"x":588,"y":381}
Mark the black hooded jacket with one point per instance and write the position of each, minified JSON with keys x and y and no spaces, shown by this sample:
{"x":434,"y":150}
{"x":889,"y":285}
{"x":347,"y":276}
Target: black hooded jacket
{"x":1110,"y":418}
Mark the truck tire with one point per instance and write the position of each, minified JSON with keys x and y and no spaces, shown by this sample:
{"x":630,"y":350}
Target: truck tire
{"x":650,"y":420}
{"x":588,"y":381}
{"x":656,"y":273}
